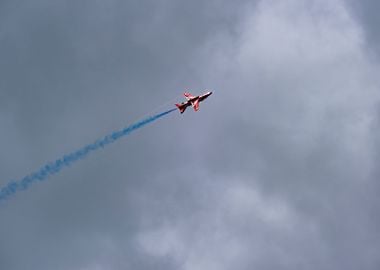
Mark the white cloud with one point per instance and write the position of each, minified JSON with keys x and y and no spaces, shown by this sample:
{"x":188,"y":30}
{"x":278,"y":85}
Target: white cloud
{"x":297,"y":74}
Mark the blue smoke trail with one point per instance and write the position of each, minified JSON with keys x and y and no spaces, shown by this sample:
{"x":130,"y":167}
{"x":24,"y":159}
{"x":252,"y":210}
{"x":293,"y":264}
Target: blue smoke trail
{"x":54,"y":167}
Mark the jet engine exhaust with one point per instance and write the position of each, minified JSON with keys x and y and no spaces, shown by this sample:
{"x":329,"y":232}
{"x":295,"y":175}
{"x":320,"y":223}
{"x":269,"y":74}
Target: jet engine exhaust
{"x":54,"y":167}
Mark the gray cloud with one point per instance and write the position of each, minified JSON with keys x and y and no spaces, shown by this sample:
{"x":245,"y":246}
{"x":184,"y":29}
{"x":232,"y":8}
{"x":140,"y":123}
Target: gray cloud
{"x":277,"y":170}
{"x":366,"y":13}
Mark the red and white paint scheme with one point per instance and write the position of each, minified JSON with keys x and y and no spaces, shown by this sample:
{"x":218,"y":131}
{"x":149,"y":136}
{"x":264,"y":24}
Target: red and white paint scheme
{"x":192,"y":101}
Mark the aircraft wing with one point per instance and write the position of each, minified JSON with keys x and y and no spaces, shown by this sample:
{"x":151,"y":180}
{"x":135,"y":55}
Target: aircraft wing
{"x":196,"y":105}
{"x":188,"y":96}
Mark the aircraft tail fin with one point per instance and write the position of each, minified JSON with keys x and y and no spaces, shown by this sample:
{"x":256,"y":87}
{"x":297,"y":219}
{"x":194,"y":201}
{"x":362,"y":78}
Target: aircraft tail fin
{"x":181,"y":107}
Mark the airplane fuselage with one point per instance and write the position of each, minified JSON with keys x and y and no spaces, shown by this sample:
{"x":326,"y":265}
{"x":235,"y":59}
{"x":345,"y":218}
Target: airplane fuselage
{"x":192,"y":101}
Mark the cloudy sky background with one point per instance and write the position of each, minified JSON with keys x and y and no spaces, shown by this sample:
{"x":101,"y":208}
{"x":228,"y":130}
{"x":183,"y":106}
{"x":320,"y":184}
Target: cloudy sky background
{"x":278,"y":170}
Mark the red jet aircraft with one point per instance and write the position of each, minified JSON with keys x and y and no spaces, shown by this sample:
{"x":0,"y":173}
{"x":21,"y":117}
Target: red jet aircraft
{"x":192,"y":101}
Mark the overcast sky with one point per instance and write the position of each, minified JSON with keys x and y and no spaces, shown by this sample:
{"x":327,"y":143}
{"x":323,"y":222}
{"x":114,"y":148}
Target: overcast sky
{"x":278,"y":169}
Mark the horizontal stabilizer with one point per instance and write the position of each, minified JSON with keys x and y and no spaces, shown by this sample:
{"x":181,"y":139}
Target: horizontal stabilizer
{"x":181,"y":107}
